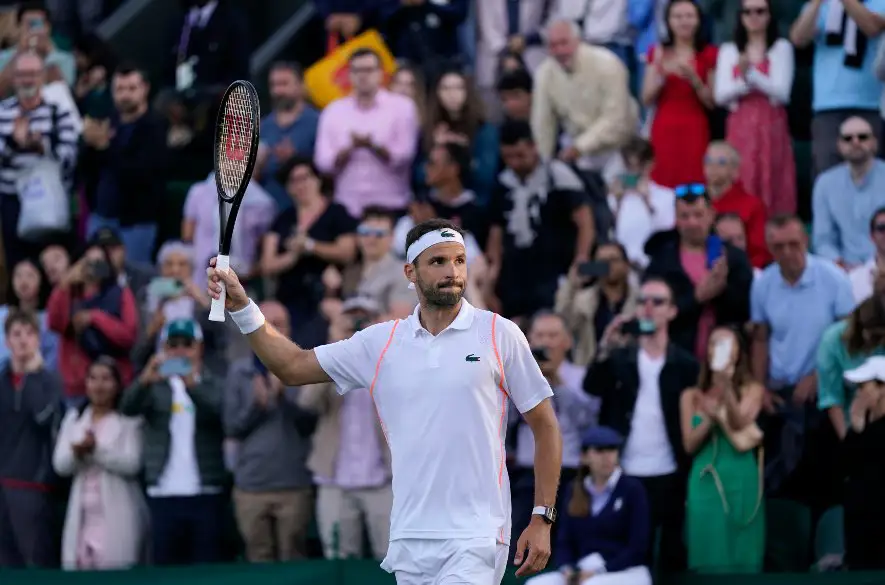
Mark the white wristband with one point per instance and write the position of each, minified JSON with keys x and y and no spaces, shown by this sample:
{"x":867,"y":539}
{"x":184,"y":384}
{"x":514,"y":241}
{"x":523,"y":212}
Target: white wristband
{"x":249,"y":319}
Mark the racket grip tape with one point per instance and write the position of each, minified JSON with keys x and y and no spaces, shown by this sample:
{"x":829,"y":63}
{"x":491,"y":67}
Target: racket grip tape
{"x":216,"y":312}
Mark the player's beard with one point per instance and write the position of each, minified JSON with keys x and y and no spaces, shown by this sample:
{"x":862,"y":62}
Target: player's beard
{"x":435,"y":296}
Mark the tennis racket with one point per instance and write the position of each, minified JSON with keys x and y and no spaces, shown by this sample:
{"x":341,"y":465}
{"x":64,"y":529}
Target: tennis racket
{"x":236,"y":148}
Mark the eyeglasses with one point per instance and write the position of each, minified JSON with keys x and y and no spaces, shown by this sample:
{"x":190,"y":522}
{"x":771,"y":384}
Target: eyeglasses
{"x":860,"y":136}
{"x":655,"y":301}
{"x":690,"y":192}
{"x":754,"y":11}
{"x":368,"y":231}
{"x":179,"y":342}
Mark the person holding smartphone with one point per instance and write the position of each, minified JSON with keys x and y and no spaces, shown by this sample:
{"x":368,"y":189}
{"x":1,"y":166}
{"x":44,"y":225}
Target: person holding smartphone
{"x":181,"y":403}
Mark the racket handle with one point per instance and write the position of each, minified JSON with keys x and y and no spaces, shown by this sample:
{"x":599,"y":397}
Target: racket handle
{"x":216,"y":313}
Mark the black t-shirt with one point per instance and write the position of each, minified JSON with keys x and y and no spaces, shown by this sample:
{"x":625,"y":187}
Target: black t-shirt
{"x":539,"y":234}
{"x":302,"y":285}
{"x":465,"y":213}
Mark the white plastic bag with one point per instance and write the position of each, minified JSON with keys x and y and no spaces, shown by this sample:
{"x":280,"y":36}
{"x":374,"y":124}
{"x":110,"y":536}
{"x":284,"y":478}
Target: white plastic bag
{"x":45,"y":207}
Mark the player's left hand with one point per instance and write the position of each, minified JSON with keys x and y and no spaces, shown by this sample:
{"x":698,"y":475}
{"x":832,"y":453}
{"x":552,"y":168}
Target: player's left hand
{"x":537,"y":539}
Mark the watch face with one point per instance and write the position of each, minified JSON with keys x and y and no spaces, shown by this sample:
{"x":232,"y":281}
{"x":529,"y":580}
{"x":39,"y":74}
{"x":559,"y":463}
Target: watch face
{"x":551,"y":514}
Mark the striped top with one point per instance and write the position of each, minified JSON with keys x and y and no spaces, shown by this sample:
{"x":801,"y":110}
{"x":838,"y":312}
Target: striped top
{"x":60,"y":142}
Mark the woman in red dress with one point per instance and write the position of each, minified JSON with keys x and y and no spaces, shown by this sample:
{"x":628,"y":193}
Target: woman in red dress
{"x":754,"y":79}
{"x":678,"y":84}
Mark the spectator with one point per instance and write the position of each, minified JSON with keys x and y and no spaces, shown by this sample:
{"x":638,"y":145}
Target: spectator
{"x":846,"y":37}
{"x":730,"y":229}
{"x":35,"y":35}
{"x":576,"y":411}
{"x":845,"y":345}
{"x":596,"y":540}
{"x":706,"y":294}
{"x":95,"y":65}
{"x":342,"y":17}
{"x":640,"y":206}
{"x":368,"y":140}
{"x":725,"y":521}
{"x":273,"y":493}
{"x":846,"y":195}
{"x":754,"y":76}
{"x":379,"y":274}
{"x":515,"y":93}
{"x":640,"y":381}
{"x":123,"y":162}
{"x":590,"y":303}
{"x":135,"y":275}
{"x":408,"y":81}
{"x":81,"y":17}
{"x":646,"y":17}
{"x":539,"y":217}
{"x":30,"y":408}
{"x":455,"y":116}
{"x":678,"y":84}
{"x":864,"y":514}
{"x":862,"y":277}
{"x":425,"y":32}
{"x":594,"y":128}
{"x":290,"y":128}
{"x":183,"y":464}
{"x":55,"y":262}
{"x":301,"y":243}
{"x":793,"y":303}
{"x":722,"y":165}
{"x":38,"y":140}
{"x":29,"y":292}
{"x":106,"y":521}
{"x":200,"y":227}
{"x":603,"y":24}
{"x":94,"y":316}
{"x":350,"y":460}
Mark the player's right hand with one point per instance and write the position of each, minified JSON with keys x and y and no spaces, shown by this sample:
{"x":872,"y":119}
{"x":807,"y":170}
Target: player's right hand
{"x":236,"y":298}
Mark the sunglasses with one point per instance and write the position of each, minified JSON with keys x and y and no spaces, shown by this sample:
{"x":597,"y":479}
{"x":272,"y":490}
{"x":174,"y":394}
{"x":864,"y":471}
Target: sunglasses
{"x":365,"y":230}
{"x":655,"y":301}
{"x":861,"y":137}
{"x":690,"y":192}
{"x":754,"y":11}
{"x":178,"y":342}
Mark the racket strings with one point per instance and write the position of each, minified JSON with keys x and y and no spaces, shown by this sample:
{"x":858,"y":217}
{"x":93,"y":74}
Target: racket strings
{"x":236,"y":132}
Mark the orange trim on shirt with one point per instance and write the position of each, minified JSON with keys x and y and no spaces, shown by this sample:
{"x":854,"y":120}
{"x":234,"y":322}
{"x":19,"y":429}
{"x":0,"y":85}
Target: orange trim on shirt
{"x":375,"y":378}
{"x":503,"y":417}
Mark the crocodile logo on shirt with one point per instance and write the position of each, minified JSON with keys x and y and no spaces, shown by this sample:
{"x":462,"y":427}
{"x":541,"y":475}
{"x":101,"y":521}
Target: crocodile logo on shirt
{"x":472,"y":358}
{"x":447,"y":234}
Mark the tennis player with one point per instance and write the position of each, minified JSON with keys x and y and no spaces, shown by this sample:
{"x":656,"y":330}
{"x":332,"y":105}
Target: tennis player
{"x":440,"y":380}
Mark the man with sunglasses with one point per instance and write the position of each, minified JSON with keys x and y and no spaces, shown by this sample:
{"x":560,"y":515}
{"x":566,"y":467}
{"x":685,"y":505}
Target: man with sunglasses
{"x":182,"y":457}
{"x":862,"y":277}
{"x":847,"y":195}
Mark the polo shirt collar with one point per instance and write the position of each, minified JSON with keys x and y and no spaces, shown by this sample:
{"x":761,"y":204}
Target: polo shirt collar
{"x":462,"y":322}
{"x":807,"y":278}
{"x":609,"y":485}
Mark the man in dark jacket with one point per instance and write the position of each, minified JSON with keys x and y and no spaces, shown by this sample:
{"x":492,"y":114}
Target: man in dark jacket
{"x":30,"y":409}
{"x":639,"y":376}
{"x":710,"y":279}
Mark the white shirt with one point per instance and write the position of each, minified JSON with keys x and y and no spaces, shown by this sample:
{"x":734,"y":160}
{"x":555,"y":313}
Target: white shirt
{"x":861,"y":278}
{"x":647,"y":452}
{"x":443,"y":402}
{"x":634,"y":223}
{"x":181,"y":475}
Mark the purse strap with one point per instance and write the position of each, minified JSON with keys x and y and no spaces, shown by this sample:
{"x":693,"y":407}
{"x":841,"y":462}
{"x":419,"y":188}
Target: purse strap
{"x":710,"y":469}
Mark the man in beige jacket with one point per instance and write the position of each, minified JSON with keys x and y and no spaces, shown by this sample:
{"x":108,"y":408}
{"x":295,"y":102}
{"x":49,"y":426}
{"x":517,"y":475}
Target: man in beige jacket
{"x":584,"y":91}
{"x":350,"y":459}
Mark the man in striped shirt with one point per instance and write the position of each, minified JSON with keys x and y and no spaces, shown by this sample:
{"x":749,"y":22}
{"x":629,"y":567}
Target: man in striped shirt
{"x":31,"y":130}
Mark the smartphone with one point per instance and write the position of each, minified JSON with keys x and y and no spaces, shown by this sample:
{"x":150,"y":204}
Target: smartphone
{"x":165,"y":288}
{"x":540,"y":354}
{"x":594,"y":269}
{"x":722,"y":354}
{"x":715,"y":249}
{"x":637,"y":327}
{"x":175,"y":367}
{"x":630,"y":180}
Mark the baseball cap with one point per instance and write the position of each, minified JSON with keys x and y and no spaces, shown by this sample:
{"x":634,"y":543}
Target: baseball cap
{"x":871,"y":370}
{"x":106,"y":237}
{"x":602,"y":438}
{"x":186,"y":328}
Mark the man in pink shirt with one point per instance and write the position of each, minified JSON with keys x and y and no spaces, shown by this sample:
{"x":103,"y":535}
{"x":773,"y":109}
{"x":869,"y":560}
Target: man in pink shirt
{"x":367,"y":141}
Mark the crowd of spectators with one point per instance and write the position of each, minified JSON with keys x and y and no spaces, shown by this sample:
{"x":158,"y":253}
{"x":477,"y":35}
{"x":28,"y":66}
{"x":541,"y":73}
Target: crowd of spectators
{"x":625,"y":176}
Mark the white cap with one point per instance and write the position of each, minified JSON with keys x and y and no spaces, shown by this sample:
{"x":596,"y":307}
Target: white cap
{"x":870,"y":370}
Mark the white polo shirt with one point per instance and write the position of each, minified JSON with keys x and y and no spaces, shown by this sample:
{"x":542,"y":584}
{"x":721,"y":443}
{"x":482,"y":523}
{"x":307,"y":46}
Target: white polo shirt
{"x":442,"y":402}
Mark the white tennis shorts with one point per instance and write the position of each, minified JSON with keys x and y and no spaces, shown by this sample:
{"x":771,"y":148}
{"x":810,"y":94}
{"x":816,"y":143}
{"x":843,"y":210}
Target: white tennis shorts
{"x":469,"y":561}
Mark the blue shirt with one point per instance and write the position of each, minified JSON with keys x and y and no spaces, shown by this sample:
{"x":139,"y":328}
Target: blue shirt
{"x":841,"y":212}
{"x":837,"y":86}
{"x":302,"y":133}
{"x":797,"y":315}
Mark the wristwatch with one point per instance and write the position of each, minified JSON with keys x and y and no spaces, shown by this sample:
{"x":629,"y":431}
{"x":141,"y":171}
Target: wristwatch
{"x":548,"y":514}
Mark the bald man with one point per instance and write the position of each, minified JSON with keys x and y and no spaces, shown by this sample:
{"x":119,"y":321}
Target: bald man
{"x":846,"y":197}
{"x":273,"y":499}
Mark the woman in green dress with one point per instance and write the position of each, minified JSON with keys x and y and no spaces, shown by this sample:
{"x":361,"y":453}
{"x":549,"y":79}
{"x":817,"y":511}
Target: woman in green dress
{"x":725,"y":520}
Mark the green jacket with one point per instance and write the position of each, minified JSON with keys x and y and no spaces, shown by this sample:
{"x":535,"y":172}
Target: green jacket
{"x":154,"y":403}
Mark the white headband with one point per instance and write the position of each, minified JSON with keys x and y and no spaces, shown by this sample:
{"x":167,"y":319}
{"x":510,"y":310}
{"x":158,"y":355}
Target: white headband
{"x":429,"y":239}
